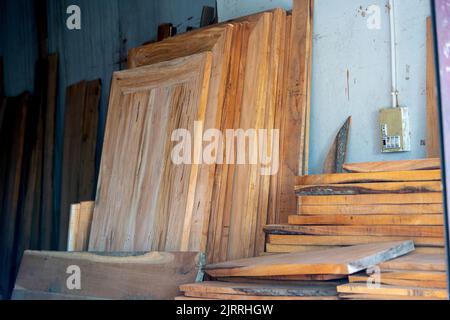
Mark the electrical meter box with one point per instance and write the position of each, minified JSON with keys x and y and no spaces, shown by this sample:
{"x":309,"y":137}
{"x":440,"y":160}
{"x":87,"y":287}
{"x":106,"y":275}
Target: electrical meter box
{"x":395,"y":130}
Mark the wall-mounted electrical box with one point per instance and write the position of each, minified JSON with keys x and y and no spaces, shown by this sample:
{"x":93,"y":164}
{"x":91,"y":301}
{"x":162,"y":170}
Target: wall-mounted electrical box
{"x":395,"y":130}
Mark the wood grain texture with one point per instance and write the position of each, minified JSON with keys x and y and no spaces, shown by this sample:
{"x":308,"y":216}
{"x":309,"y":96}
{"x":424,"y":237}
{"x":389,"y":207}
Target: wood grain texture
{"x":373,"y":199}
{"x":433,"y":127}
{"x":277,"y":248}
{"x":370,"y":188}
{"x":358,"y":230}
{"x":417,"y":262}
{"x":389,"y":166}
{"x":335,"y":261}
{"x":426,"y":283}
{"x":150,"y":198}
{"x":229,"y":297}
{"x":337,"y":154}
{"x":293,"y":130}
{"x":371,"y":209}
{"x":414,"y":275}
{"x":356,"y":288}
{"x":134,"y":276}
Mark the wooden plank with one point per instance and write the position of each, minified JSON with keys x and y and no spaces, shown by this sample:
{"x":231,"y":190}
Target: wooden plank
{"x":433,"y":127}
{"x":349,"y":240}
{"x":414,"y":275}
{"x":251,"y":289}
{"x":369,"y":220}
{"x":337,"y":155}
{"x":48,"y":227}
{"x":294,"y":128}
{"x":371,"y":209}
{"x":136,"y":276}
{"x":398,"y":282}
{"x":87,"y":175}
{"x":345,"y":178}
{"x":298,"y":280}
{"x":371,"y":230}
{"x":74,"y":222}
{"x":373,"y":199}
{"x":29,"y":295}
{"x":372,"y":297}
{"x":229,"y":297}
{"x":73,"y":126}
{"x":275,"y":248}
{"x":417,"y":262}
{"x":356,"y":288}
{"x":335,"y":261}
{"x":150,"y":198}
{"x":84,"y":225}
{"x":390,"y":166}
{"x":370,"y":188}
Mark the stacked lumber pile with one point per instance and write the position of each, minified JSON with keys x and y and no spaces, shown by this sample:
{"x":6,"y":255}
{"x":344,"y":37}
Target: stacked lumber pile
{"x":250,"y":73}
{"x":376,"y":202}
{"x":416,"y":276}
{"x":297,"y":276}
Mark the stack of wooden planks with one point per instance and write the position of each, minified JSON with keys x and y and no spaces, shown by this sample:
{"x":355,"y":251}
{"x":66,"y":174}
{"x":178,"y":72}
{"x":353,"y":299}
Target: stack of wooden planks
{"x":368,"y":205}
{"x":416,"y":276}
{"x":298,"y":276}
{"x":250,"y":73}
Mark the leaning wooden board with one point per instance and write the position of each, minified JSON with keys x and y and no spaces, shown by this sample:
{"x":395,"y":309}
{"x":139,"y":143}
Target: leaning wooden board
{"x":135,"y":276}
{"x":145,"y":202}
{"x":334,"y":261}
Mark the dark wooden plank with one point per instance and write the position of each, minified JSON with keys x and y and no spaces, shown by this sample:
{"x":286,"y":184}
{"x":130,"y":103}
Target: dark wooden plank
{"x":135,"y":276}
{"x":337,"y":155}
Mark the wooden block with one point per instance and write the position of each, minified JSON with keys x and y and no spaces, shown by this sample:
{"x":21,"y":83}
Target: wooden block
{"x":349,"y":240}
{"x":389,"y":166}
{"x":398,"y":282}
{"x":371,"y":230}
{"x":267,"y":290}
{"x":338,"y":151}
{"x":417,"y":262}
{"x":369,"y":188}
{"x":407,"y":220}
{"x":136,"y":276}
{"x":335,"y":261}
{"x":373,"y":199}
{"x":371,"y":177}
{"x":371,"y":209}
{"x":355,"y":288}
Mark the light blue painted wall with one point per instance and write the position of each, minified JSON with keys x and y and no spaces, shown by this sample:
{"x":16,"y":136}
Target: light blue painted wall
{"x":342,"y":42}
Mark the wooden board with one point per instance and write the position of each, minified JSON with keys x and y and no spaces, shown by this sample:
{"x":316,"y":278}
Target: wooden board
{"x":136,"y":276}
{"x":144,"y":200}
{"x":417,"y":262}
{"x":433,"y":127}
{"x":228,"y":297}
{"x":337,"y":155}
{"x":371,"y":209}
{"x":398,"y":282}
{"x":294,"y":130}
{"x":382,"y":297}
{"x":349,"y":240}
{"x":389,"y":166}
{"x":414,"y":275}
{"x":313,"y":279}
{"x":335,"y":261}
{"x":345,"y":178}
{"x":251,"y":289}
{"x":370,"y":188}
{"x":371,"y":220}
{"x":356,"y":288}
{"x":275,"y":248}
{"x":371,"y":199}
{"x":358,"y":230}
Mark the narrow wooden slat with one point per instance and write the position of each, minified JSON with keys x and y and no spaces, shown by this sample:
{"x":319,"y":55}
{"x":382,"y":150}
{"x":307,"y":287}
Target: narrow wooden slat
{"x":227,"y":297}
{"x":371,"y":209}
{"x":389,"y":166}
{"x":398,"y":282}
{"x":275,"y":248}
{"x":345,"y":178}
{"x":349,"y":240}
{"x":410,"y":220}
{"x":74,"y":222}
{"x":414,"y":275}
{"x":84,"y":225}
{"x":355,"y":288}
{"x":417,"y":262}
{"x":371,"y":199}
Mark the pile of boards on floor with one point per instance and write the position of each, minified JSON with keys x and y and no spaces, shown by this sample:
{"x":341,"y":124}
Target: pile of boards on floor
{"x":295,"y":276}
{"x":374,"y":202}
{"x":157,"y":194}
{"x":416,"y":276}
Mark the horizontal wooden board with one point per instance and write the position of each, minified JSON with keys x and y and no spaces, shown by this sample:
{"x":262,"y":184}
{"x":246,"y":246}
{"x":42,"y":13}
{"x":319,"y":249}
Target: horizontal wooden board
{"x":417,"y":262}
{"x":398,"y":176}
{"x":372,"y":209}
{"x":372,"y":230}
{"x":251,"y":289}
{"x":348,"y":240}
{"x":381,"y":297}
{"x":369,"y":199}
{"x":393,"y":291}
{"x":414,"y":275}
{"x":149,"y":276}
{"x":369,"y":188}
{"x":227,"y":297}
{"x":390,"y":166}
{"x":398,"y":282}
{"x":308,"y":279}
{"x":334,"y":261}
{"x":409,"y":220}
{"x":274,"y":248}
